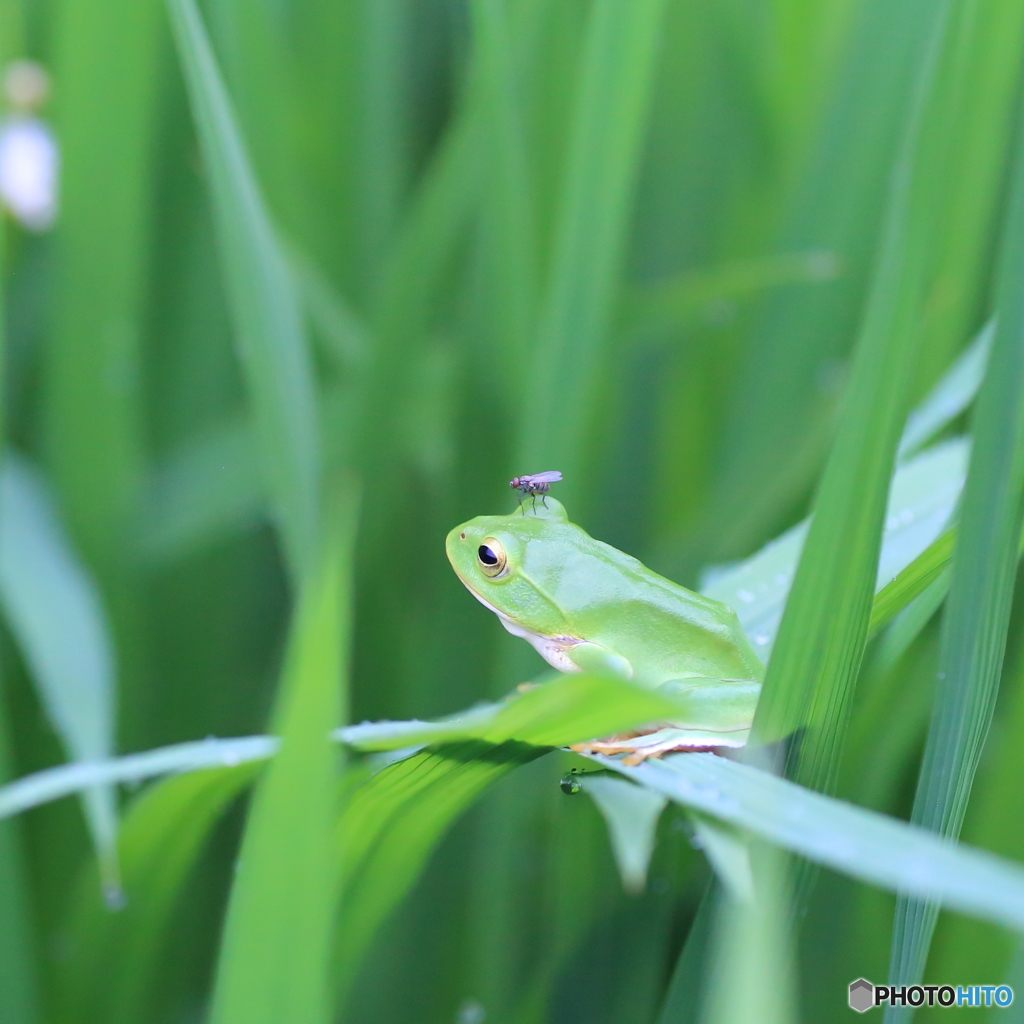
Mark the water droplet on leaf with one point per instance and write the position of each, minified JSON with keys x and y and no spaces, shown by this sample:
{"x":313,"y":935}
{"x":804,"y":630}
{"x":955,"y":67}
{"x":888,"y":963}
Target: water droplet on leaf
{"x":570,"y":784}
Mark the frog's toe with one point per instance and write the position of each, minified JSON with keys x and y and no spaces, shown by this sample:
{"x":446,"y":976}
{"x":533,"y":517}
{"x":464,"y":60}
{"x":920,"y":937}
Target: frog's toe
{"x":640,"y":746}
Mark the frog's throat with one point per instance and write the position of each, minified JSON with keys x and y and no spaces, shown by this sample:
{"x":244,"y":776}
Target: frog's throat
{"x":553,"y":649}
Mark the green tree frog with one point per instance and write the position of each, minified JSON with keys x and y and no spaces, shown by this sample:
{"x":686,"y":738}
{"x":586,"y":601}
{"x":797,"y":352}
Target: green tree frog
{"x":585,"y":606}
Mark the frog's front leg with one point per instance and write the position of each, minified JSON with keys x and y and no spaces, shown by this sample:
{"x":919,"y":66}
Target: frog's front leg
{"x":713,"y":713}
{"x":590,"y":657}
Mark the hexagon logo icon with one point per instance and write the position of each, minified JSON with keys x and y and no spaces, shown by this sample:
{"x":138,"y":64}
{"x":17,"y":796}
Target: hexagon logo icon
{"x":862,"y":995}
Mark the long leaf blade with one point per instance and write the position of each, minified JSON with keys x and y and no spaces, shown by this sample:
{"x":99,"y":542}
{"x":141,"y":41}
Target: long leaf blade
{"x":268,"y":324}
{"x":981,"y":589}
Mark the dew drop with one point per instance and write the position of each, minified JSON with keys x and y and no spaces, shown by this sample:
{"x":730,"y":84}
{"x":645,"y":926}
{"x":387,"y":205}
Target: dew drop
{"x":570,"y":784}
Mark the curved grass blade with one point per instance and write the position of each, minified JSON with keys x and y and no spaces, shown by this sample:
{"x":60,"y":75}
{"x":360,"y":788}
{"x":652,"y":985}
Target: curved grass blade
{"x":268,"y":324}
{"x":980,"y":590}
{"x":56,"y":613}
{"x":55,"y":783}
{"x":571,"y":708}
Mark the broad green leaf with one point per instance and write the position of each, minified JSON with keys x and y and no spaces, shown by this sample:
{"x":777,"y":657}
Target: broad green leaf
{"x":950,"y":397}
{"x":265,"y":310}
{"x":275,"y":951}
{"x":112,"y":958}
{"x":980,"y":588}
{"x":922,"y":498}
{"x":391,"y":824}
{"x":55,"y":611}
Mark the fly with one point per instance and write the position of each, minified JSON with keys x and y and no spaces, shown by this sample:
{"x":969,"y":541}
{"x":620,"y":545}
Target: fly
{"x":534,"y":484}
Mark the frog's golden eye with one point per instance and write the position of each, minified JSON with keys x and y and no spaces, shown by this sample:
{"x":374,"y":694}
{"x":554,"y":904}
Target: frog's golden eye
{"x":492,"y":558}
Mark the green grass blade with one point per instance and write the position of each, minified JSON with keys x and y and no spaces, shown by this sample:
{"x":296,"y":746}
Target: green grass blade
{"x":863,"y":844}
{"x":54,"y":608}
{"x":968,"y":948}
{"x":112,"y":958}
{"x":92,"y":406}
{"x":752,"y":975}
{"x":276,"y":948}
{"x":980,"y":589}
{"x":821,"y":640}
{"x":605,"y":139}
{"x":912,"y":581}
{"x":508,"y":246}
{"x":265,"y":310}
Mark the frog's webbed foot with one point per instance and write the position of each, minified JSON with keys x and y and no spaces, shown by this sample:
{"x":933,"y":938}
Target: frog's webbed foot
{"x":638,"y":746}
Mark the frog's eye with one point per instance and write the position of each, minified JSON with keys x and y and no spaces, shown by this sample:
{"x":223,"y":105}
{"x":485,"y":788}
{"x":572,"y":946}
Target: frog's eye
{"x":492,"y":558}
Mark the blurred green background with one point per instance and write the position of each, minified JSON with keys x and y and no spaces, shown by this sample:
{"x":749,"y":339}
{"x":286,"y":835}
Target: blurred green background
{"x":284,"y":334}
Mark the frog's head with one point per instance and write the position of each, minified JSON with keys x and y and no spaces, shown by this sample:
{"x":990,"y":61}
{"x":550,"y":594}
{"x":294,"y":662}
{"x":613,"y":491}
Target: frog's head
{"x":515,"y":564}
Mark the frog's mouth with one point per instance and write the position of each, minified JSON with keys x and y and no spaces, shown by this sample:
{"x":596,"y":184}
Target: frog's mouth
{"x":553,"y":649}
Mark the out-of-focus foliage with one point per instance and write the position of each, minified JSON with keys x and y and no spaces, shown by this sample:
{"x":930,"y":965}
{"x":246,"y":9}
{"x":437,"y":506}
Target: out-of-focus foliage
{"x":322,"y":277}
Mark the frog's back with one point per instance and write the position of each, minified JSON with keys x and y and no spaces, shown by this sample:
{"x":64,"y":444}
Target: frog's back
{"x":665,"y":630}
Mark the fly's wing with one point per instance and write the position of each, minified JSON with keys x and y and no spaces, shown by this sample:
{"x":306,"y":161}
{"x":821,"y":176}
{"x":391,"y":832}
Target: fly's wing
{"x":550,"y":476}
